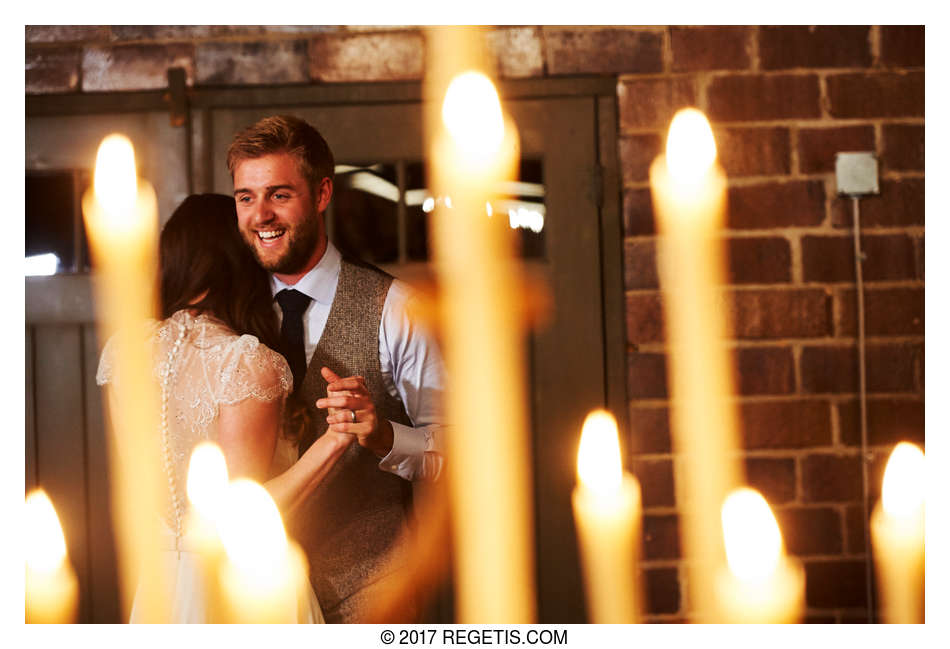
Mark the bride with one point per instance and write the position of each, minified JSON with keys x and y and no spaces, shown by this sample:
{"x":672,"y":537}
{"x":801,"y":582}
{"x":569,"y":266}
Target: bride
{"x":223,"y":383}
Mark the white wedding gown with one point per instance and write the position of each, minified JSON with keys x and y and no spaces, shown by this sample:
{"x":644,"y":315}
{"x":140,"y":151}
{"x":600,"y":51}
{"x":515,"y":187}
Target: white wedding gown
{"x":210,"y":366}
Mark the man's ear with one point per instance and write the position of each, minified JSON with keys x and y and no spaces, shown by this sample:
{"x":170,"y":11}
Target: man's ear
{"x":324,"y":193}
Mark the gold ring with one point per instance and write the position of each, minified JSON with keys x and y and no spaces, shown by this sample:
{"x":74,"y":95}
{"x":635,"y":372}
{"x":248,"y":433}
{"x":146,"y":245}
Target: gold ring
{"x":353,"y":416}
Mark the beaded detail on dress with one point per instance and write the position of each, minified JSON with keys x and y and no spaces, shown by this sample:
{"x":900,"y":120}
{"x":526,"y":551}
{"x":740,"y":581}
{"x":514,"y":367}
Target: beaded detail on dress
{"x":199,"y":365}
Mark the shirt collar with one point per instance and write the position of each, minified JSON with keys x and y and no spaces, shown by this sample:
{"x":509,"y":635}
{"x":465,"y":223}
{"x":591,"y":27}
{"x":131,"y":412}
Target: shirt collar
{"x":319,"y":283}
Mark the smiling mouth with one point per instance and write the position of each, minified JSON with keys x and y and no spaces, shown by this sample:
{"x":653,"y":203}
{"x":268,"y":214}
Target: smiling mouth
{"x":270,"y":235}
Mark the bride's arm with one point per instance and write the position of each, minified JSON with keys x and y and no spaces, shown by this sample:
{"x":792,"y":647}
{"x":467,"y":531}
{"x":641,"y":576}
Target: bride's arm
{"x":247,"y":436}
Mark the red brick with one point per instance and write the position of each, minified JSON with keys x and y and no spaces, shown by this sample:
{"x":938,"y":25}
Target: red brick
{"x":817,"y":146}
{"x":592,"y":50}
{"x":776,"y":205}
{"x":810,"y":530}
{"x":518,"y":50}
{"x":392,"y":56}
{"x":135,"y":67}
{"x":887,"y":312}
{"x":651,"y":103}
{"x":834,"y":46}
{"x":773,"y":478}
{"x":876,"y":94}
{"x":644,"y":318}
{"x":903,"y":147}
{"x":889,"y":421}
{"x":785,"y":424}
{"x":252,"y":63}
{"x":754,"y":151}
{"x":741,"y":98}
{"x":638,"y":212}
{"x":829,"y":370}
{"x":637,"y":153}
{"x":831,"y":478}
{"x":662,"y":590}
{"x":896,"y":367}
{"x":835,"y":584}
{"x":646,"y":376}
{"x":855,"y":542}
{"x":780,"y":313}
{"x":50,"y":70}
{"x":650,"y":429}
{"x":639,"y":264}
{"x":710,"y":48}
{"x":656,"y":482}
{"x":831,"y":259}
{"x":759,"y":260}
{"x":902,"y":45}
{"x":900,"y":203}
{"x":765,"y":370}
{"x":65,"y":33}
{"x":661,"y":537}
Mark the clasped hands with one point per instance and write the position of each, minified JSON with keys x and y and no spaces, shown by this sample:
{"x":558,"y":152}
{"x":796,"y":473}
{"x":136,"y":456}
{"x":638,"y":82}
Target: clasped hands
{"x":349,"y":395}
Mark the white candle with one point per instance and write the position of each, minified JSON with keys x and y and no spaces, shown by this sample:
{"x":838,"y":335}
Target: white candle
{"x":122,"y":224}
{"x":689,"y":190}
{"x":472,"y":147}
{"x":207,"y":487}
{"x":761,"y":585}
{"x":51,"y":586}
{"x":262,"y":574}
{"x":607,"y":514}
{"x":897,"y":536}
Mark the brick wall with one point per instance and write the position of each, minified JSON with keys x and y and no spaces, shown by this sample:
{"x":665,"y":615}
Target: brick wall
{"x":782,"y":102}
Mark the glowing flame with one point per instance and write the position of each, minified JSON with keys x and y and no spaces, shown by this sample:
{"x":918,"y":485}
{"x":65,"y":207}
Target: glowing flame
{"x":598,"y":458}
{"x":471,"y":111}
{"x":690,"y":147}
{"x":114,"y":182}
{"x":902,"y":493}
{"x":752,"y":538}
{"x":251,"y":529}
{"x":207,"y":477}
{"x":46,"y":545}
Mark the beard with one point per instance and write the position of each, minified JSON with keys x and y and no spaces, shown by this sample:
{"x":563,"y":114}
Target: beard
{"x":301,"y":242}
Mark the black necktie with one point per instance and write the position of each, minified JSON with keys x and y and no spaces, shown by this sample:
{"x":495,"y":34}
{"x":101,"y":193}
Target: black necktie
{"x":293,"y":303}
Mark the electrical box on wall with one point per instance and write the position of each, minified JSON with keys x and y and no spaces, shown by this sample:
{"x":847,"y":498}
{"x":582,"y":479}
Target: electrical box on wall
{"x":856,"y":173}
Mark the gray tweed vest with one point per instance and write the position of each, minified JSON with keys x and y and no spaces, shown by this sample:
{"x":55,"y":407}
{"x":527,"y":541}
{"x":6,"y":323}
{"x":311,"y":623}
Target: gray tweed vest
{"x":353,"y":525}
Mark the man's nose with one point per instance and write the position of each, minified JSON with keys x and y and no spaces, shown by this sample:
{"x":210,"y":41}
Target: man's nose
{"x":263,"y":212}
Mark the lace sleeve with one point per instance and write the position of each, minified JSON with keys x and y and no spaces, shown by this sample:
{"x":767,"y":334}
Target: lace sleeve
{"x":104,"y":373}
{"x":254,"y":370}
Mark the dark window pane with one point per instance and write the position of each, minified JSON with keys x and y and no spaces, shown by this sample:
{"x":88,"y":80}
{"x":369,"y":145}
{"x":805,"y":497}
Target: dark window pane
{"x":364,"y":208}
{"x":51,"y":216}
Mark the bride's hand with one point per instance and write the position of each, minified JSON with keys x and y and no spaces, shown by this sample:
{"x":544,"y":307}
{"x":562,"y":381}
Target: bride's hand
{"x":351,"y":410}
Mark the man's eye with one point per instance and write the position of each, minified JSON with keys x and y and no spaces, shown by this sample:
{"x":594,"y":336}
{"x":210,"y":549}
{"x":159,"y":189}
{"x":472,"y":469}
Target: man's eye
{"x":281,"y":196}
{"x":244,"y":199}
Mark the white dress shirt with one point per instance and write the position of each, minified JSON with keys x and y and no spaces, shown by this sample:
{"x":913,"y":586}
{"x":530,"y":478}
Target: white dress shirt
{"x":412,"y":369}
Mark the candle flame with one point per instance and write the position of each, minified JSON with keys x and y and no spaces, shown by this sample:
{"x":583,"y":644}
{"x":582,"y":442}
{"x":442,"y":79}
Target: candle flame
{"x":471,"y":111}
{"x":752,"y":537}
{"x":251,"y":529}
{"x":114,"y":182}
{"x":46,"y":544}
{"x":902,"y":493}
{"x":207,"y":477}
{"x":598,"y":457}
{"x":690,"y":146}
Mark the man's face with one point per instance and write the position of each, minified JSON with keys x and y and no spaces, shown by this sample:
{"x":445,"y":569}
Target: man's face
{"x":278,"y":215}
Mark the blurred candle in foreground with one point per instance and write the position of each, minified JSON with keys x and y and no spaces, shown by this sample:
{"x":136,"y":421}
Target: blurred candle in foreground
{"x":51,"y":587}
{"x":122,"y":225}
{"x":207,"y":486}
{"x":263,"y":574}
{"x":761,"y":585}
{"x":689,"y":195}
{"x":897,"y":536}
{"x":607,"y":514}
{"x":473,"y":147}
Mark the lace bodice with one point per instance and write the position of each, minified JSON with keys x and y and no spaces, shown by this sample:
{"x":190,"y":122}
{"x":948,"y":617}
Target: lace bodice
{"x":211,"y":366}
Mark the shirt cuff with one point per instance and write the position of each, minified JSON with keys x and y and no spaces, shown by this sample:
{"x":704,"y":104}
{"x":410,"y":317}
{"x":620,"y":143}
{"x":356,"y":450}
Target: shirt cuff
{"x":407,"y":457}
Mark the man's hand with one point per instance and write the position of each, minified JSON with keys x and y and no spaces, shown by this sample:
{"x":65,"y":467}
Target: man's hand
{"x":348,"y":398}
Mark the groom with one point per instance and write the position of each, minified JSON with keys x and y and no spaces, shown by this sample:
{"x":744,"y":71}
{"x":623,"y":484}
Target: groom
{"x":354,"y":354}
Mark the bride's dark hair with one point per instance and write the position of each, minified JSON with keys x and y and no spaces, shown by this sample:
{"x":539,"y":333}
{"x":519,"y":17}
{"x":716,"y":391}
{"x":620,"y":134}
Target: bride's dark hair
{"x":206,"y":266}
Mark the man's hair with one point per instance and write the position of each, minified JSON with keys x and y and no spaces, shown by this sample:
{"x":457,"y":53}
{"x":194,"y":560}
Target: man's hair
{"x":284,"y":134}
